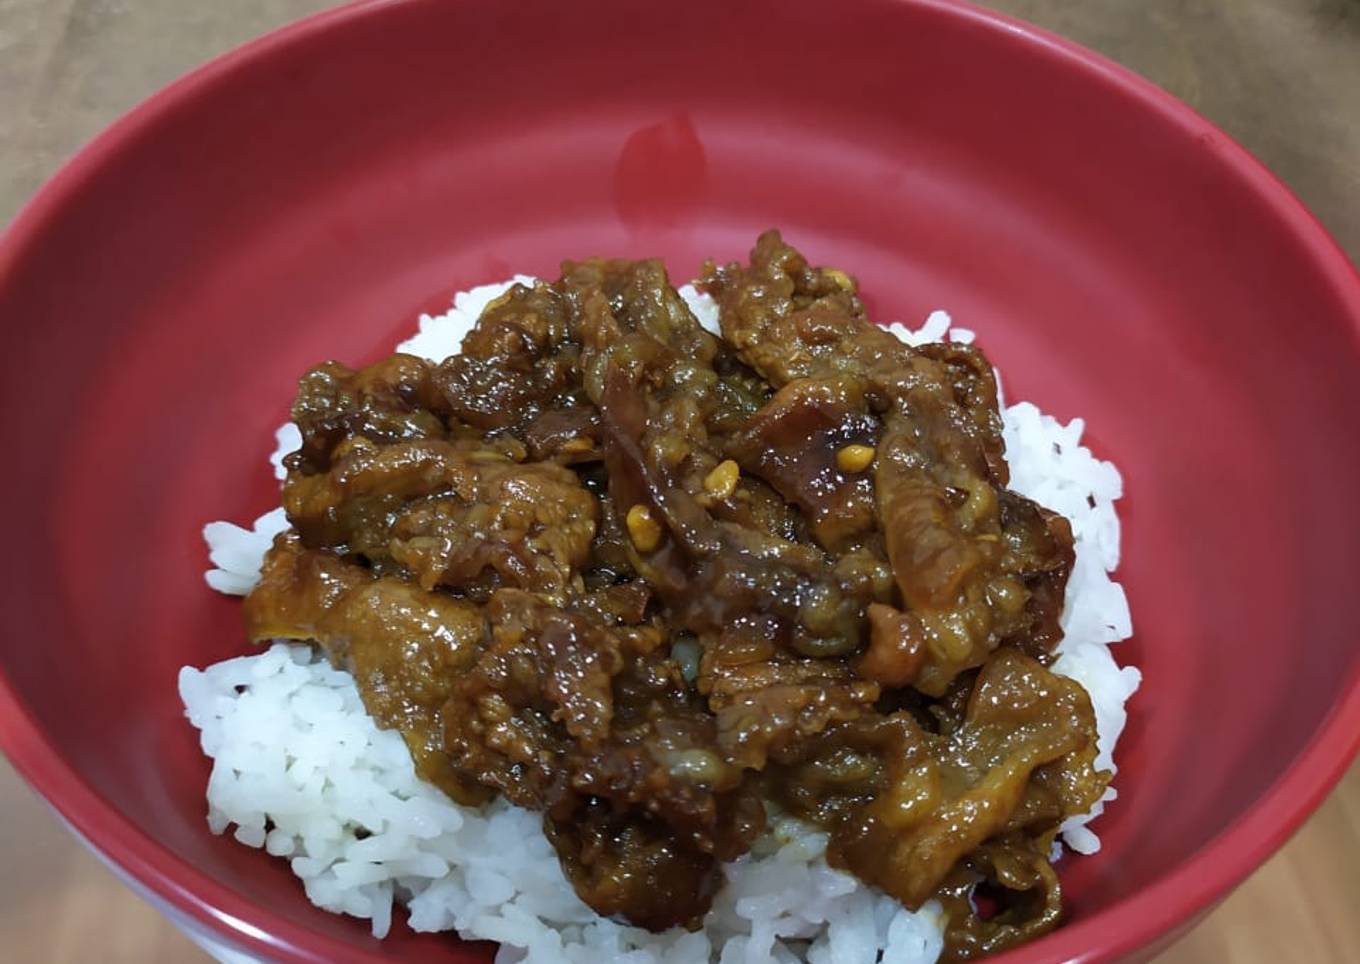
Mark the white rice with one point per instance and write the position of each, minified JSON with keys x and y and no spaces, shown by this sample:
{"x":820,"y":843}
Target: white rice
{"x":300,"y":770}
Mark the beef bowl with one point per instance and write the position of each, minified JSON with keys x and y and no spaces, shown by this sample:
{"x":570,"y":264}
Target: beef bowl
{"x":322,"y":193}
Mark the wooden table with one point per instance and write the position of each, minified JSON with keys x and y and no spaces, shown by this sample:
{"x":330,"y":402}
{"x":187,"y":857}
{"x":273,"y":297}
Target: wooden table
{"x":1283,"y":76}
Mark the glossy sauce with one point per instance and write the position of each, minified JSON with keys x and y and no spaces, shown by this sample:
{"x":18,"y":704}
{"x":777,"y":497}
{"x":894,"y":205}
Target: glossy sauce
{"x":647,"y":581}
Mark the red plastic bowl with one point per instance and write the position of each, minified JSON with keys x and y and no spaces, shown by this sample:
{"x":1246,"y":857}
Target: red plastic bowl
{"x":307,"y":195}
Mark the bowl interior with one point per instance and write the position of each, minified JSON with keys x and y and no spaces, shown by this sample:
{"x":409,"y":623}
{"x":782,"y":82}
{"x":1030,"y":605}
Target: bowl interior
{"x":308,"y":200}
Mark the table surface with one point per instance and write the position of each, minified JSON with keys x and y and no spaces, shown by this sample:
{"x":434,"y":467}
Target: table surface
{"x":1282,"y":76}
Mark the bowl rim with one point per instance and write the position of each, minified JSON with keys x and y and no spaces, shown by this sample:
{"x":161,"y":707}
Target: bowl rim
{"x":1172,"y":901}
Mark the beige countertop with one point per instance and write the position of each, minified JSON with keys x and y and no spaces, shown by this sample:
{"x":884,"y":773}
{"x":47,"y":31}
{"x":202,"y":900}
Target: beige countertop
{"x":1282,"y":76}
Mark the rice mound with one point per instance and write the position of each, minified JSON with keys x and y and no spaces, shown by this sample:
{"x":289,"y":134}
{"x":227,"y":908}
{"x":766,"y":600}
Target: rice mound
{"x":301,"y":770}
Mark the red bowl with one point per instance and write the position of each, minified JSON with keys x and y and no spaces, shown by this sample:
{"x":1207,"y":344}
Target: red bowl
{"x":307,"y":195}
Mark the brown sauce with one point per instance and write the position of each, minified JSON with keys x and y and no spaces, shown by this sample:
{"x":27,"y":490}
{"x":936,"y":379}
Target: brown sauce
{"x":648,"y":582}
